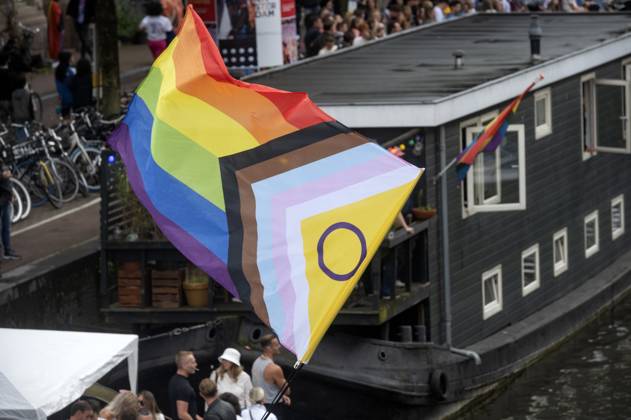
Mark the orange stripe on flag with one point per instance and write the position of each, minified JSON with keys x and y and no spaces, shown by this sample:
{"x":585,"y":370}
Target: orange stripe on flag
{"x":253,"y":111}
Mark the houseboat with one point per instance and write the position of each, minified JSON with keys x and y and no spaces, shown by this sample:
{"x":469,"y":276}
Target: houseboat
{"x":500,"y":267}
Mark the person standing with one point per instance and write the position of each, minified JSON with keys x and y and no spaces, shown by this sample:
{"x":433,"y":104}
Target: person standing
{"x":182,"y":398}
{"x":55,"y":29}
{"x":6,"y":213}
{"x":257,"y":410}
{"x":230,"y":377}
{"x":156,"y":26}
{"x":148,"y":402}
{"x":64,"y":74}
{"x":217,"y":408}
{"x":81,"y":85}
{"x":82,"y":13}
{"x":268,"y":375}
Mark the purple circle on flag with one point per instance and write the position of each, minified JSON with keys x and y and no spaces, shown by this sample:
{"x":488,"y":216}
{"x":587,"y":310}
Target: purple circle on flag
{"x":362,"y":257}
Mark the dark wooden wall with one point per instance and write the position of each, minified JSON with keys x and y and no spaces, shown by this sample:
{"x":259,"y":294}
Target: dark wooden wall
{"x":561,"y":190}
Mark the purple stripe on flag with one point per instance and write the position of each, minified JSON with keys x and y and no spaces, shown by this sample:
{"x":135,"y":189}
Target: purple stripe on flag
{"x":190,"y":247}
{"x":497,"y":138}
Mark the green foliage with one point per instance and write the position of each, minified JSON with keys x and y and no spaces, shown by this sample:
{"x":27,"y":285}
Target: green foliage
{"x":195,"y":275}
{"x":130,"y":13}
{"x":140,"y":224}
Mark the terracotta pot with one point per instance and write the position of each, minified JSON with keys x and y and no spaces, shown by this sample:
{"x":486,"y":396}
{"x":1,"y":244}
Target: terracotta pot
{"x":423,"y":214}
{"x":196,"y":294}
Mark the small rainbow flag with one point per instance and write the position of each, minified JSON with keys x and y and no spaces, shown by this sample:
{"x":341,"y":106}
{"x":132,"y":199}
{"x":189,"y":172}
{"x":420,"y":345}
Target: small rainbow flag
{"x":491,"y":137}
{"x":281,"y":204}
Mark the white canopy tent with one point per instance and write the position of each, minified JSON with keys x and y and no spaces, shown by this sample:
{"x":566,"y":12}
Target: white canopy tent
{"x":43,"y":371}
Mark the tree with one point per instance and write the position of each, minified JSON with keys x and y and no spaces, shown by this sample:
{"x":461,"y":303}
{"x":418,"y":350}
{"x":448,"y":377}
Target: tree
{"x":108,"y":71}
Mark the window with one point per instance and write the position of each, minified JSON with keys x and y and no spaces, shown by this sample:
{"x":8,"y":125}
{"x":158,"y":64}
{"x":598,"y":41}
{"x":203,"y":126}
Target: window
{"x":496,"y":181}
{"x":591,"y":234}
{"x":604,"y":119}
{"x":559,"y":250}
{"x":478,"y":122}
{"x":617,"y":217}
{"x":543,"y":113}
{"x":492,"y":292}
{"x":530,"y":270}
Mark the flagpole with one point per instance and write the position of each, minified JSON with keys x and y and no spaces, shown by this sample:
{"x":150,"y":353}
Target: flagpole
{"x":283,"y":389}
{"x":441,"y":173}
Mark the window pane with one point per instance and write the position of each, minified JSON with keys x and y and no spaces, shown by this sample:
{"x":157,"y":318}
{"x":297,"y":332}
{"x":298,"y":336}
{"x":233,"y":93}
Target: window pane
{"x":590,"y":234}
{"x":490,"y":174}
{"x":540,"y":112}
{"x":559,"y":250}
{"x":610,"y":116}
{"x":588,"y":110}
{"x":529,"y":269}
{"x":509,"y":175}
{"x":489,"y":290}
{"x":616,"y":216}
{"x":485,"y":175}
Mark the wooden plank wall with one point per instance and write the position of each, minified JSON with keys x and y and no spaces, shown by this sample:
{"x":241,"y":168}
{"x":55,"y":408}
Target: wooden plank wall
{"x":561,"y":190}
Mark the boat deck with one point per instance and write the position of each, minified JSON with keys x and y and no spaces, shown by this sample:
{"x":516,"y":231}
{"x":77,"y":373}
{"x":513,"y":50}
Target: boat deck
{"x":359,"y":311}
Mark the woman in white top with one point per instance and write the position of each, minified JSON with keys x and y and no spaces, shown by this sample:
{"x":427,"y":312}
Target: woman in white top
{"x":257,"y":410}
{"x":230,"y":377}
{"x":156,"y":26}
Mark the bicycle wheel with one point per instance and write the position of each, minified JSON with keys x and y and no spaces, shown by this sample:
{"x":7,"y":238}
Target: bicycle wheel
{"x":36,"y":104}
{"x":31,"y":179}
{"x":88,"y":164}
{"x":25,"y":197}
{"x":66,"y":178}
{"x":16,"y":206}
{"x":50,"y":185}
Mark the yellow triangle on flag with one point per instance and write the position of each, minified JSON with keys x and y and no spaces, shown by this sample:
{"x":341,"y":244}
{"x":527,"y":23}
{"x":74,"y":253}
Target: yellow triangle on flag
{"x":338,"y":246}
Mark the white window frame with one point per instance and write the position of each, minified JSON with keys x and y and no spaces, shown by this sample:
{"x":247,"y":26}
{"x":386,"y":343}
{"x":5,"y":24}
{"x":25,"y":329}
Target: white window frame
{"x":626,"y":127}
{"x":495,"y":306}
{"x":493,"y":204}
{"x":479,"y":121}
{"x":618,"y":231}
{"x":586,"y":78}
{"x":592,"y":217}
{"x":562,"y":266}
{"x":546,"y":128}
{"x":526,"y":289}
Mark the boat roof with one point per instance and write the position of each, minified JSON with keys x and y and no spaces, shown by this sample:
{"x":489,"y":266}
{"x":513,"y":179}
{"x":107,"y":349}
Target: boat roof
{"x":416,"y":67}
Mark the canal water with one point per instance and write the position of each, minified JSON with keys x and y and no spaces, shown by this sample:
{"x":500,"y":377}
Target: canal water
{"x":588,"y":377}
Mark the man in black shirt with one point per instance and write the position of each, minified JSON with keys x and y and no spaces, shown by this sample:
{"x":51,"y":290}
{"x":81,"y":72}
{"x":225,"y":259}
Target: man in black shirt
{"x":182,"y":397}
{"x":217,"y":408}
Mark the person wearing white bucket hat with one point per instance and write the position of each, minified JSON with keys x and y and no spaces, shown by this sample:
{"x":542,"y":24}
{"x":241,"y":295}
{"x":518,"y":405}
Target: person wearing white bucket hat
{"x":230,"y":377}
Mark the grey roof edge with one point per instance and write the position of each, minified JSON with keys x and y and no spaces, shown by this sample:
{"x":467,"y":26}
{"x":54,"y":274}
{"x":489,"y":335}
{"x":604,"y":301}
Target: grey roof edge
{"x":479,"y":97}
{"x":492,"y":82}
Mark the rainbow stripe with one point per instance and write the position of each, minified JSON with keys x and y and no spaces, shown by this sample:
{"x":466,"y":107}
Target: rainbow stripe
{"x":270,"y":196}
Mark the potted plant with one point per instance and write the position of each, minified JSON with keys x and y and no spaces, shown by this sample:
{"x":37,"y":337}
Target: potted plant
{"x":424,"y":211}
{"x":196,"y":287}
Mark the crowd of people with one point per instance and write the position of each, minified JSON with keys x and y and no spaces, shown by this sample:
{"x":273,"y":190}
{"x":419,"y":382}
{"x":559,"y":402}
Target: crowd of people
{"x":229,"y":393}
{"x":326,"y":31}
